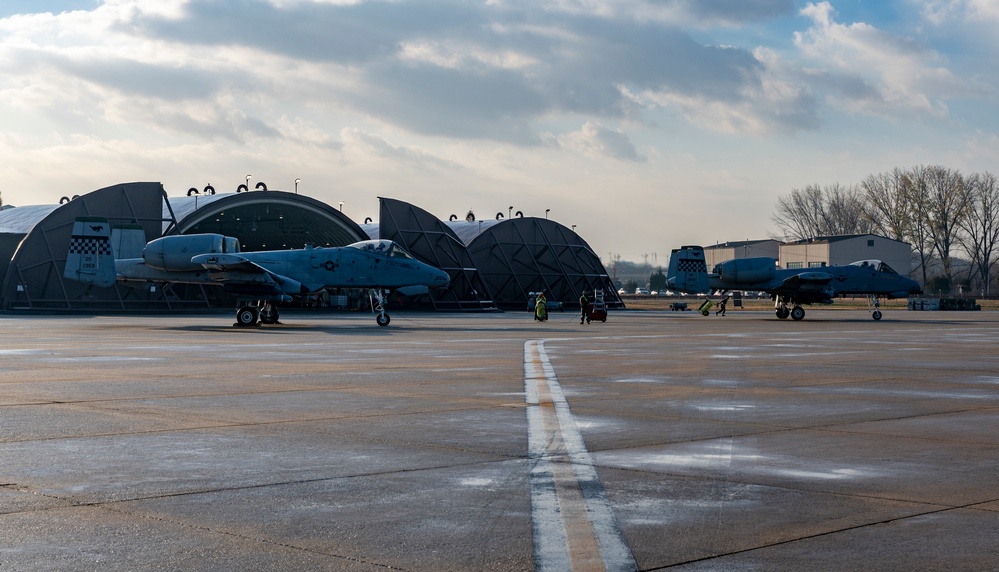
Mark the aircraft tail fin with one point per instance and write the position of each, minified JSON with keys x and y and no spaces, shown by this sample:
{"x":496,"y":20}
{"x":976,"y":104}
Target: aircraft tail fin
{"x":90,"y":259}
{"x":127,"y":241}
{"x":688,"y":271}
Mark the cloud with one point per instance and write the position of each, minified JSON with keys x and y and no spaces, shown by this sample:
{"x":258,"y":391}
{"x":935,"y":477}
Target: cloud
{"x":698,"y":13}
{"x":358,"y":142}
{"x":870,"y":71}
{"x":733,"y":11}
{"x":502,"y":71}
{"x":599,"y":141}
{"x":939,"y":12}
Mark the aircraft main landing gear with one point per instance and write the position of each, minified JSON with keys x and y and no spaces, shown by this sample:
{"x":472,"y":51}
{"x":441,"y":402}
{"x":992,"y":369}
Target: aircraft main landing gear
{"x":248,"y":314}
{"x":796,"y":313}
{"x":268,"y":313}
{"x":783,"y":312}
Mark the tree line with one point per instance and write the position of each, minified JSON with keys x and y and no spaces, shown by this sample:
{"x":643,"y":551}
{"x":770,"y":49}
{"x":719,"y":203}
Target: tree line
{"x":941,"y":212}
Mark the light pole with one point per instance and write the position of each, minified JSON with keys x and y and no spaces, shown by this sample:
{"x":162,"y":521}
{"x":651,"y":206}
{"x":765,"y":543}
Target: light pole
{"x":341,"y":206}
{"x":546,"y":213}
{"x":248,"y":177}
{"x":297,"y":181}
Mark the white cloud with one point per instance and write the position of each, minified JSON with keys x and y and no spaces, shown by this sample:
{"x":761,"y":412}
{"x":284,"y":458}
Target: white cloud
{"x":597,"y":140}
{"x":871,"y":71}
{"x":939,"y":12}
{"x":696,"y":13}
{"x":769,"y":100}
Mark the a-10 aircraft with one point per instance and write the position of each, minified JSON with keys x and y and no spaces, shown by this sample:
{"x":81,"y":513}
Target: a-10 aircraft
{"x":258,"y":279}
{"x":789,"y":288}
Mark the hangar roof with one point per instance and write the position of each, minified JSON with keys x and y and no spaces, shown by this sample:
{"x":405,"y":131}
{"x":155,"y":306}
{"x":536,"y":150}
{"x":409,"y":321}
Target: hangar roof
{"x":840,"y":237}
{"x":20,"y":220}
{"x":468,"y":231}
{"x":266,"y":220}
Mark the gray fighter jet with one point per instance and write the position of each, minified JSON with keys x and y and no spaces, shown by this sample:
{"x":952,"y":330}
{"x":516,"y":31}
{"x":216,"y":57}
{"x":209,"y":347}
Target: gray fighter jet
{"x":258,"y":279}
{"x":789,"y":288}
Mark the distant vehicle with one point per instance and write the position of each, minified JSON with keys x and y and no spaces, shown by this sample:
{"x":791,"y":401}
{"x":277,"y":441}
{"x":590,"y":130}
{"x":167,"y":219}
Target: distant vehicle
{"x":549,"y":303}
{"x":641,"y":292}
{"x":790,"y":287}
{"x":622,"y":292}
{"x":258,"y":279}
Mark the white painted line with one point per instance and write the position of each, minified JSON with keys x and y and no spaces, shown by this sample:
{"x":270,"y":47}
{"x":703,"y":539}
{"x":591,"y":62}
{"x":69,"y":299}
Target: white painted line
{"x":572,"y":522}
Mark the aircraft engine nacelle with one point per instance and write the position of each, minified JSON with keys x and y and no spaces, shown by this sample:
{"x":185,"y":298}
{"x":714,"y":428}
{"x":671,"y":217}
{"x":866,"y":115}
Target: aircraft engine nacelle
{"x":174,"y":253}
{"x":746,"y":270}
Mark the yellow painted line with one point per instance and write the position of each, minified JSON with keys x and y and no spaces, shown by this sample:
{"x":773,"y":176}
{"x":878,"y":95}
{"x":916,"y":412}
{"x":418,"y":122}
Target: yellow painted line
{"x":573,"y":526}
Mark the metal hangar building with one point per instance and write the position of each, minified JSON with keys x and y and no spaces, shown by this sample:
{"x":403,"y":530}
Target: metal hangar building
{"x":493,"y":264}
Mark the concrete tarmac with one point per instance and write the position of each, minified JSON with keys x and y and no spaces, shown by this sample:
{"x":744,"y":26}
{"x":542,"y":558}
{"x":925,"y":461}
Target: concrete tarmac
{"x":656,"y":440}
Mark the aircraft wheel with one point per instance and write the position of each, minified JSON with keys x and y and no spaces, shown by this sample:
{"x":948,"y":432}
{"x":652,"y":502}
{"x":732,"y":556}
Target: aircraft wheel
{"x":797,"y":313}
{"x":383,"y":319}
{"x":876,"y":315}
{"x":247,"y":316}
{"x":269,"y":315}
{"x":783,"y":313}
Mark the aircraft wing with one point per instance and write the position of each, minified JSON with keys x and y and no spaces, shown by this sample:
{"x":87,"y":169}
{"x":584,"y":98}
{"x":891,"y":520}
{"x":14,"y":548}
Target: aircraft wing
{"x":228,"y":263}
{"x":243,"y":270}
{"x":804,"y":281}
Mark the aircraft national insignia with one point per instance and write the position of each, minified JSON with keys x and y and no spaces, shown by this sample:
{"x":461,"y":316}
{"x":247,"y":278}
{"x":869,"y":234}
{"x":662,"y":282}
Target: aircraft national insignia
{"x":329,"y":265}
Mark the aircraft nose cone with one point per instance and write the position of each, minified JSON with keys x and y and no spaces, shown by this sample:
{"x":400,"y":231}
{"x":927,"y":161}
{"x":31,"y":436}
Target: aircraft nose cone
{"x":443,"y":280}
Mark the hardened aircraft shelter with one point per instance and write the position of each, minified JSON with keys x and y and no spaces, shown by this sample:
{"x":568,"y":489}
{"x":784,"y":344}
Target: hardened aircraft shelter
{"x":430,"y":240}
{"x":493,"y":264}
{"x":531,"y":254}
{"x":505,"y":260}
{"x":34,"y":240}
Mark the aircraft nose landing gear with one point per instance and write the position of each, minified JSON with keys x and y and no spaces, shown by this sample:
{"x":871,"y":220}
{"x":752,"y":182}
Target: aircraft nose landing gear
{"x":378,"y":305}
{"x":875,"y":303}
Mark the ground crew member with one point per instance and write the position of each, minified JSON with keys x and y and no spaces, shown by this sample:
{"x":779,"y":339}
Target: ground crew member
{"x":584,"y":308}
{"x":721,"y":306}
{"x":541,"y":307}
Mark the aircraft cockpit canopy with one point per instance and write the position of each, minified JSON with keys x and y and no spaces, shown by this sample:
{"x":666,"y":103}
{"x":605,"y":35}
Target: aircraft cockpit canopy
{"x":383,"y":247}
{"x":878,"y":265}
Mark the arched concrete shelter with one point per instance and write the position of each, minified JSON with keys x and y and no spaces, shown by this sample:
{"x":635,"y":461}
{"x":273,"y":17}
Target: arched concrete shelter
{"x":34,"y":241}
{"x":33,"y":280}
{"x":521,"y":255}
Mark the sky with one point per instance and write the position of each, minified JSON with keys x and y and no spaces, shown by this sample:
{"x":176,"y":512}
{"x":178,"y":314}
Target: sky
{"x":645,"y":124}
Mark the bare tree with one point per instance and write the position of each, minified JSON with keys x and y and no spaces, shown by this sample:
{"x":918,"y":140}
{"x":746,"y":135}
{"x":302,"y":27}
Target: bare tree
{"x":888,"y":207}
{"x":845,"y":211}
{"x":817,"y":211}
{"x":799,"y":213}
{"x":917,"y":196}
{"x":948,"y":206}
{"x":981,"y":226}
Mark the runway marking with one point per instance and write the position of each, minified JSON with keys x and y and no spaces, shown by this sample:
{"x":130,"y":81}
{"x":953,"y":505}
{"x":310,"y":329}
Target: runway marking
{"x":572,"y":522}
